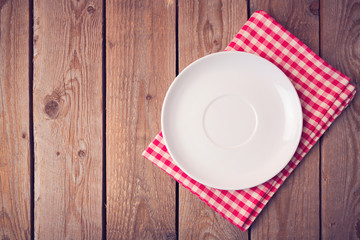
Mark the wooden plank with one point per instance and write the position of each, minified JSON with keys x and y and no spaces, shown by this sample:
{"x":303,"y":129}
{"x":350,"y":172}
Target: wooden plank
{"x":140,"y":65}
{"x":293,"y":213}
{"x":68,"y":119}
{"x":14,"y":120}
{"x":206,"y":27}
{"x":340,"y":151}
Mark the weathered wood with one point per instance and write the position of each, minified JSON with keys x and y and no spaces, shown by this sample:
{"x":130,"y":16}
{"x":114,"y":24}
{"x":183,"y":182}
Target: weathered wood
{"x":68,"y":119}
{"x":14,"y":120}
{"x":140,"y":65}
{"x":206,"y":27}
{"x":293,"y":213}
{"x":340,"y":151}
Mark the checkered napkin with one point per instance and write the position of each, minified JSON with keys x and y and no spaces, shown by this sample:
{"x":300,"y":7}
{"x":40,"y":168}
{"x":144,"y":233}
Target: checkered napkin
{"x":324,"y":93}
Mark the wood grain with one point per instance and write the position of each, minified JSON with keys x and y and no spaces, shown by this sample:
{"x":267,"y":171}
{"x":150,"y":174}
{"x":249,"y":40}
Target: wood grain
{"x":293,"y":213}
{"x":14,"y":120}
{"x":340,"y":179}
{"x":68,"y":119}
{"x":140,"y":65}
{"x":206,"y":27}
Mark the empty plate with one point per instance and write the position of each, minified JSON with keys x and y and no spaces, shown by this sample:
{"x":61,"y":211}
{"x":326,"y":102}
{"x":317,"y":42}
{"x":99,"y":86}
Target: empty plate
{"x":231,"y":120}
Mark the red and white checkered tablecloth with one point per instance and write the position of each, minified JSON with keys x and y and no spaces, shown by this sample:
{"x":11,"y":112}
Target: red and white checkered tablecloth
{"x":324,"y":93}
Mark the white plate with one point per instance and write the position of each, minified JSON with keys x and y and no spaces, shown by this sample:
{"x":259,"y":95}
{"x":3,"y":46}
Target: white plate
{"x":231,"y":120}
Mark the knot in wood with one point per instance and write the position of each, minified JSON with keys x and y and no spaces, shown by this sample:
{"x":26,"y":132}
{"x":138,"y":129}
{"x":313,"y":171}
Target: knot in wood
{"x":314,"y":8}
{"x":91,"y":9}
{"x":52,"y":109}
{"x":148,"y":97}
{"x":81,"y":153}
{"x":111,"y":44}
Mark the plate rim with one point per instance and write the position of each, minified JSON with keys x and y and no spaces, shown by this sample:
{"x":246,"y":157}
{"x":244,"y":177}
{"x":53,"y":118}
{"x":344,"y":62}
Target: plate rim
{"x":173,"y":84}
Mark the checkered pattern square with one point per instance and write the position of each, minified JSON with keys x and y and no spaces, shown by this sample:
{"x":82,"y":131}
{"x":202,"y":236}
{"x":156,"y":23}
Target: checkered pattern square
{"x":324,"y":93}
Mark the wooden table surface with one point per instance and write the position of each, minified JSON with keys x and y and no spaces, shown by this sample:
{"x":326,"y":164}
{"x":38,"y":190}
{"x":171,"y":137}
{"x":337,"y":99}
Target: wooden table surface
{"x":81,"y":89}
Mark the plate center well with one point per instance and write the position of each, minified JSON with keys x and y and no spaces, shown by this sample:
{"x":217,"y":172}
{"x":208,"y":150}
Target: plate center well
{"x":229,"y":121}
